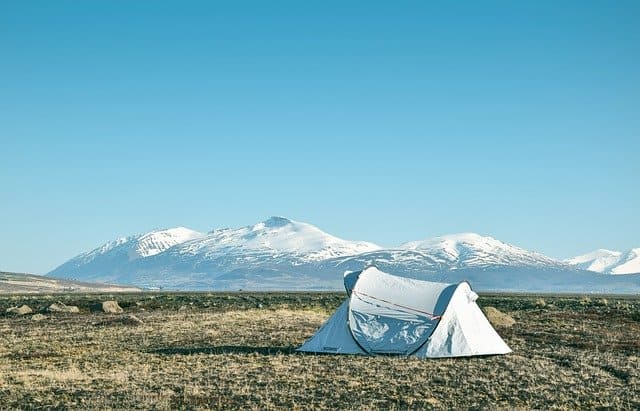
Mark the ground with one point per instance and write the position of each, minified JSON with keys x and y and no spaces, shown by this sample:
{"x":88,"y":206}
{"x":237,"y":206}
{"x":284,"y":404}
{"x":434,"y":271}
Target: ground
{"x":237,"y":350}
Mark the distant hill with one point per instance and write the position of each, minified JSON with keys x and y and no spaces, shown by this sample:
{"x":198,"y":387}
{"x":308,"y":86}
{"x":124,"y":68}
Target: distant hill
{"x":16,"y":283}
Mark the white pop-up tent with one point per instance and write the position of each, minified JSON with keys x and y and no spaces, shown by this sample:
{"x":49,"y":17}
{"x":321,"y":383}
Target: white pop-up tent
{"x":386,"y":314}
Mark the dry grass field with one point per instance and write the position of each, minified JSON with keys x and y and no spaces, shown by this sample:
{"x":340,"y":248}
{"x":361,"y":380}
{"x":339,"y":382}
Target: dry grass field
{"x":237,"y":350}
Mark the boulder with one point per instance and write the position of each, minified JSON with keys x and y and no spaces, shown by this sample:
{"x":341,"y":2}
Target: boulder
{"x":109,"y":307}
{"x":60,"y":307}
{"x":497,"y":318}
{"x":38,"y":317}
{"x":22,"y":310}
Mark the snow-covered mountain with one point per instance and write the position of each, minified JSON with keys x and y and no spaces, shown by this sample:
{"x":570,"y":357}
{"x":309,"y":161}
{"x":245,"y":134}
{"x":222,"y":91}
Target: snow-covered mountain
{"x":283,"y":254}
{"x":102,"y":263}
{"x":448,"y":257}
{"x":609,"y":262}
{"x":181,"y":257}
{"x":276,"y":237}
{"x":141,"y":245}
{"x":468,"y":250}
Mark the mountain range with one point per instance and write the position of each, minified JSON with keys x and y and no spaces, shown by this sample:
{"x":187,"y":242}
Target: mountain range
{"x":280,"y":253}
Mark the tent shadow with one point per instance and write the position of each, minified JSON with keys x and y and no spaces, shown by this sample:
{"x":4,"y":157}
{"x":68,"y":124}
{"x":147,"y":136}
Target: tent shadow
{"x":223,"y":349}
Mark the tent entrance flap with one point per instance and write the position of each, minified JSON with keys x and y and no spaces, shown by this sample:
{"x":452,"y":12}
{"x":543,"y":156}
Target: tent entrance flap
{"x":393,"y":315}
{"x":388,"y":335}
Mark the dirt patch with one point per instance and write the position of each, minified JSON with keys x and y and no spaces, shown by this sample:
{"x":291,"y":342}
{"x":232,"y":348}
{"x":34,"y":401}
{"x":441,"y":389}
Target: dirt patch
{"x":497,"y":318}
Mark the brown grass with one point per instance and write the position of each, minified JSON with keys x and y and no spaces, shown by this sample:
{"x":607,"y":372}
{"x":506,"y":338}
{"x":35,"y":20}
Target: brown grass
{"x":219,"y":351}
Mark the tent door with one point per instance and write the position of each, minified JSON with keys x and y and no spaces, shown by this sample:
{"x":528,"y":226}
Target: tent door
{"x":380,"y":334}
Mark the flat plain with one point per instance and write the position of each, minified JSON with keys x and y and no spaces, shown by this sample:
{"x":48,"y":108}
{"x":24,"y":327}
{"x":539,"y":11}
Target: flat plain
{"x":237,"y":351}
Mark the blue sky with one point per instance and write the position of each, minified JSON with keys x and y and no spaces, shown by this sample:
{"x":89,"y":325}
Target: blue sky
{"x":383,"y":121}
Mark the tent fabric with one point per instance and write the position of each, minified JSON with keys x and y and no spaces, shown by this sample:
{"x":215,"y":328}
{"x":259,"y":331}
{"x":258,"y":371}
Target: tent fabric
{"x":389,"y":314}
{"x":334,"y":335}
{"x":386,"y":314}
{"x":463,"y":330}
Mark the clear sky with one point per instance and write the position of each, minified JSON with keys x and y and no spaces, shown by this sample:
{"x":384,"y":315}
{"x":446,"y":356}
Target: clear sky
{"x":384,"y":121}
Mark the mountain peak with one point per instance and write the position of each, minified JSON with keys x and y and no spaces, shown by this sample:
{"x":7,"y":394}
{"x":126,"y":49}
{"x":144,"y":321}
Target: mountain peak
{"x":276,"y":221}
{"x":451,"y":240}
{"x":464,"y":238}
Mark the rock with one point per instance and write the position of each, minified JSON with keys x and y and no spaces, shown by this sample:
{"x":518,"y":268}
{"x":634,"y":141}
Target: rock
{"x":109,"y":307}
{"x":38,"y":317}
{"x":497,"y":318}
{"x":22,"y":310}
{"x":62,"y":308}
{"x":182,"y":308}
{"x":540,"y":302}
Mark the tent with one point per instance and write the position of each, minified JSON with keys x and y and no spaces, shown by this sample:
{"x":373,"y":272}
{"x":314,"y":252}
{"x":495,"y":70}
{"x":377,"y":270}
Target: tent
{"x":387,"y":314}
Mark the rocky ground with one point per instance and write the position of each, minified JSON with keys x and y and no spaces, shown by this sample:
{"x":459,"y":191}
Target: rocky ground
{"x":237,"y":350}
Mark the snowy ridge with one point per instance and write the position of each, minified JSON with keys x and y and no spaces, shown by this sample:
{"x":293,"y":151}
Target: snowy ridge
{"x":156,"y":242}
{"x":141,"y":245}
{"x":104,"y":249}
{"x":107,"y":262}
{"x":277,"y":236}
{"x":608,"y":262}
{"x":629,"y":262}
{"x":467,"y":250}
